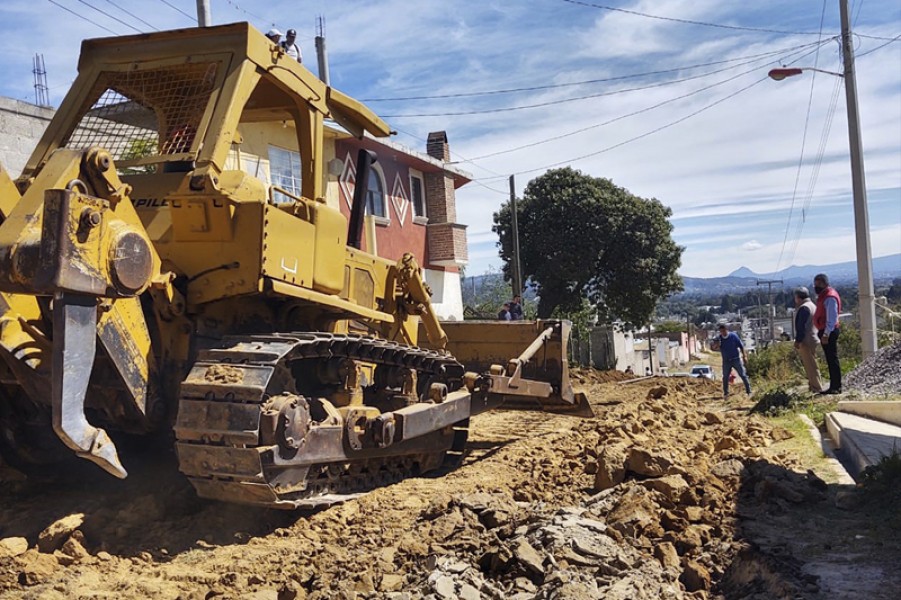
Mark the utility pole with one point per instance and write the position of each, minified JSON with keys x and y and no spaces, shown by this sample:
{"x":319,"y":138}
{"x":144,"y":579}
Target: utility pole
{"x":517,"y":266}
{"x":321,"y":54}
{"x":859,"y":189}
{"x":203,"y":13}
{"x":772,"y":307}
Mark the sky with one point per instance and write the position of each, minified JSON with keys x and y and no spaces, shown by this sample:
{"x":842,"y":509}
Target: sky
{"x":756,"y":172}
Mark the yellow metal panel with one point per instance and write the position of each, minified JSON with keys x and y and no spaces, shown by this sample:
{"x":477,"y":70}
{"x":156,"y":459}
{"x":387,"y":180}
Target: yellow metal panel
{"x":287,"y":247}
{"x":201,"y":219}
{"x":330,"y":242}
{"x":286,"y":289}
{"x":9,"y":195}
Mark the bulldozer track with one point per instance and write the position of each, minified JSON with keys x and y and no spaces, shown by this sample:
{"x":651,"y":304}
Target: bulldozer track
{"x":233,"y":389}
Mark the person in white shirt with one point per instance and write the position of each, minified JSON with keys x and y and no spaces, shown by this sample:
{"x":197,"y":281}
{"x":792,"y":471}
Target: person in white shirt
{"x":290,"y":46}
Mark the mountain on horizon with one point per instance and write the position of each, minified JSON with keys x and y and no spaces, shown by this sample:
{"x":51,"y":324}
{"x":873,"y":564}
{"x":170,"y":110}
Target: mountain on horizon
{"x":883,"y":266}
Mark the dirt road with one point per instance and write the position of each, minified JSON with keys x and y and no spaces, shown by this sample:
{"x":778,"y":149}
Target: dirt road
{"x":664,"y":495}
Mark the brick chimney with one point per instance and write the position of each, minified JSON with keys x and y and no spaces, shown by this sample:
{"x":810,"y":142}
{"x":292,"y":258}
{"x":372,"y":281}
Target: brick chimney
{"x":446,"y":237}
{"x":437,"y":147}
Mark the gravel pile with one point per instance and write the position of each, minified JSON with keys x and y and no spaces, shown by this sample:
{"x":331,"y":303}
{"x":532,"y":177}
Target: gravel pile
{"x":879,"y":374}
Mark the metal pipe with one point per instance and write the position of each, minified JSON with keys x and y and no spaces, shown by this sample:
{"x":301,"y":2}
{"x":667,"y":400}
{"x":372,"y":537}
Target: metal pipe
{"x":365,"y":158}
{"x":204,"y":19}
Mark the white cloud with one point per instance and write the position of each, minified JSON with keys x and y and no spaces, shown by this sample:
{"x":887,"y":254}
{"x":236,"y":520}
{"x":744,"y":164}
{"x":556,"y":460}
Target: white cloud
{"x":727,"y":173}
{"x":751,"y":245}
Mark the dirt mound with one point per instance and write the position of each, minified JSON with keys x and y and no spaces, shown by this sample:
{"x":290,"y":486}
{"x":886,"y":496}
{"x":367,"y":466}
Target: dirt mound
{"x":878,"y":374}
{"x":589,"y":376}
{"x":643,"y":501}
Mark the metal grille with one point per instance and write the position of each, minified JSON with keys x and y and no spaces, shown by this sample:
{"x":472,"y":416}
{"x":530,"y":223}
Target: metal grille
{"x":146,"y":113}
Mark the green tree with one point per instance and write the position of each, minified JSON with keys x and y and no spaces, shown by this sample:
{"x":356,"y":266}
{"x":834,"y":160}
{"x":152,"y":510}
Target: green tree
{"x":726,"y":304}
{"x":584,"y":237}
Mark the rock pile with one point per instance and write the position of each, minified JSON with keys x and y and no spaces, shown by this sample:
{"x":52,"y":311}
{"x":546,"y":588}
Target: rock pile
{"x":878,"y":374}
{"x":671,"y":483}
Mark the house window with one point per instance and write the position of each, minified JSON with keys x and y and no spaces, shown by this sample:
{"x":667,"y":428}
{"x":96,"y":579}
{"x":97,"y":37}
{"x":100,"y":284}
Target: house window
{"x":284,"y":171}
{"x":375,"y":195}
{"x":417,"y":195}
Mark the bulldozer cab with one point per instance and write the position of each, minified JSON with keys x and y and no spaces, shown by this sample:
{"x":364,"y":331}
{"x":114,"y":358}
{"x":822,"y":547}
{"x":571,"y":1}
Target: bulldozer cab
{"x":179,"y":101}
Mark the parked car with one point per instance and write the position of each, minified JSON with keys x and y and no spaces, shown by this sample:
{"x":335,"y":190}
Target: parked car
{"x":705,"y":371}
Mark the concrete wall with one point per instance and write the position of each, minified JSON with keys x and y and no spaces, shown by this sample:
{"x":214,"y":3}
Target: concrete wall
{"x":21,"y":127}
{"x":447,"y":296}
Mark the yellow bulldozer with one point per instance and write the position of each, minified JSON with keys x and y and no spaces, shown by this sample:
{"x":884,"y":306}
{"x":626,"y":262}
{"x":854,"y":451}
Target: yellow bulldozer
{"x":147,"y":287}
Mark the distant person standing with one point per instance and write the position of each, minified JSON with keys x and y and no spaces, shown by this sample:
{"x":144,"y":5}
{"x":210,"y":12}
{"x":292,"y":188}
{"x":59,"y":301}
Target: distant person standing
{"x":274,"y":36}
{"x":829,"y":305}
{"x":290,"y":46}
{"x":516,"y":308}
{"x":504,"y":313}
{"x":733,"y":351}
{"x":806,"y":338}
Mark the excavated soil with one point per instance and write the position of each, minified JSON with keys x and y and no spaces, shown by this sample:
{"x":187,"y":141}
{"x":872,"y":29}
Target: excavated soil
{"x":664,"y":494}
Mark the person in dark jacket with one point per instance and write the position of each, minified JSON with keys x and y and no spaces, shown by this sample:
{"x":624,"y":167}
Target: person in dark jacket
{"x":732,"y":351}
{"x":516,"y":309}
{"x":504,"y":313}
{"x":825,"y":320}
{"x":806,"y":338}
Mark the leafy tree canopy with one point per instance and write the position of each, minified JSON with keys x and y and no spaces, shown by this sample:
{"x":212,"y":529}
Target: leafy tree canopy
{"x":584,"y":237}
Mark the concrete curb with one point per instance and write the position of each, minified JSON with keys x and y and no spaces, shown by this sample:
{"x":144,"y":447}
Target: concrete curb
{"x":888,"y":411}
{"x":862,"y":441}
{"x":826,"y":445}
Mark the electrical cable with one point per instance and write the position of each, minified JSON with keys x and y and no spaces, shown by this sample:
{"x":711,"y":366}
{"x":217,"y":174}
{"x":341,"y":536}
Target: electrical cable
{"x":815,"y":172}
{"x":170,"y":5}
{"x":134,"y":16}
{"x":585,"y":82}
{"x":117,"y":19}
{"x":573,"y":99}
{"x":803,"y":144}
{"x":621,"y":117}
{"x":879,"y":47}
{"x":476,"y":181}
{"x":688,"y":21}
{"x":82,"y":17}
{"x":653,"y":131}
{"x":647,"y":133}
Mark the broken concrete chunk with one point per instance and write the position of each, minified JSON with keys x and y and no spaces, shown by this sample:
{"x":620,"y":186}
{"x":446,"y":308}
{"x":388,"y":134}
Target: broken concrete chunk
{"x":529,"y":558}
{"x":58,"y":532}
{"x":13,"y":546}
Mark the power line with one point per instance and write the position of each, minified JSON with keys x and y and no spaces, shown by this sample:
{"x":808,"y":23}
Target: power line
{"x":133,"y":15}
{"x":476,"y":181}
{"x":584,"y":82}
{"x":879,"y":47}
{"x":170,"y":5}
{"x":575,"y":98}
{"x":653,"y":131}
{"x":803,"y":144}
{"x":117,"y":19}
{"x":82,"y":17}
{"x":619,"y":118}
{"x":689,"y":21}
{"x":815,"y":172}
{"x":647,"y":133}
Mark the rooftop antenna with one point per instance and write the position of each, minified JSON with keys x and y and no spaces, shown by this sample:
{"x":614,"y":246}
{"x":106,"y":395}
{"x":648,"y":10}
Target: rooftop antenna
{"x":41,"y":91}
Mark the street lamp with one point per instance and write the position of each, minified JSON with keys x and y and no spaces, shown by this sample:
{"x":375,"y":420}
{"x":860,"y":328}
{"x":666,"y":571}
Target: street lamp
{"x":858,"y":183}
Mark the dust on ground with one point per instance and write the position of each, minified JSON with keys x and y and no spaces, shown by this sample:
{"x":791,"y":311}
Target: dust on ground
{"x":665,"y":494}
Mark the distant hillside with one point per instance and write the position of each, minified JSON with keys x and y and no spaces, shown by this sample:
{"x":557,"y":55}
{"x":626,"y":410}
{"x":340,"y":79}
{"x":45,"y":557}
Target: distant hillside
{"x":884,"y":268}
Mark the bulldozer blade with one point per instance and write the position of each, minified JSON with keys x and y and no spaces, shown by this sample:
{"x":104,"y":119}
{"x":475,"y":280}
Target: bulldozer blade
{"x":527,"y":362}
{"x":75,"y":344}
